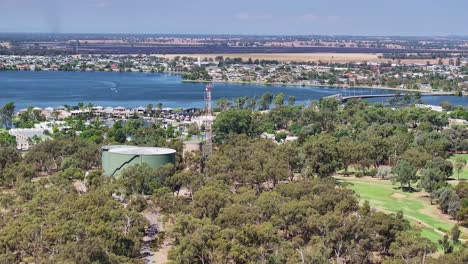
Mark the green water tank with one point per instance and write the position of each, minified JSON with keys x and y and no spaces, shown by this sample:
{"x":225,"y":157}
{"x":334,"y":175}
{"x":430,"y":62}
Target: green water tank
{"x":116,"y":159}
{"x":105,"y":154}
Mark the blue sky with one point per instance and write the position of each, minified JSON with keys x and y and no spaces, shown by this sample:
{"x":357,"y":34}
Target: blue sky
{"x":331,"y":17}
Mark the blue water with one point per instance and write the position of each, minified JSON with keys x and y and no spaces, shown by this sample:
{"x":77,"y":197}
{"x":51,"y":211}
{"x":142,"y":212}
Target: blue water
{"x":51,"y":88}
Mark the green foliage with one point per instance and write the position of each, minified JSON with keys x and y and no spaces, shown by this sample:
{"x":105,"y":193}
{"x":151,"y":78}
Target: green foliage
{"x":197,"y":74}
{"x":417,"y":157}
{"x":8,"y":156}
{"x":448,"y":200}
{"x":95,"y":179}
{"x":455,"y":234}
{"x":71,"y":174}
{"x":57,"y":226}
{"x":249,"y":162}
{"x":462,"y":192}
{"x":209,"y":200}
{"x":265,"y":101}
{"x":131,"y":126}
{"x":280,"y":136}
{"x":240,"y":102}
{"x":233,"y":121}
{"x":137,"y":203}
{"x":49,"y":155}
{"x":435,"y":173}
{"x":411,"y":247}
{"x":459,"y":165}
{"x":120,"y":136}
{"x":405,"y":174}
{"x":446,"y":244}
{"x":278,"y":100}
{"x":93,"y":134}
{"x":142,"y":179}
{"x":6,"y":114}
{"x":256,"y":201}
{"x":223,"y":104}
{"x":150,"y":136}
{"x":28,"y":118}
{"x":321,"y":155}
{"x":288,"y":223}
{"x":456,"y":257}
{"x":16,"y":172}
{"x":6,"y":139}
{"x":447,"y":106}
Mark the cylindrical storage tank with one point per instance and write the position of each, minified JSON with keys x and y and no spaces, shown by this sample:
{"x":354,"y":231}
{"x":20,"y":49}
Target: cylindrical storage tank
{"x":105,"y":154}
{"x":122,"y":158}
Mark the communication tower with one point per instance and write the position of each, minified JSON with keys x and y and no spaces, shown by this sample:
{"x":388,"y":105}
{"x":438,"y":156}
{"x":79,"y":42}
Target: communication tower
{"x":208,"y":148}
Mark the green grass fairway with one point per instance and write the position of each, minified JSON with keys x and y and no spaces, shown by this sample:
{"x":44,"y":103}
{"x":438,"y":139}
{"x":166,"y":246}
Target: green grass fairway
{"x":384,"y":196}
{"x":464,"y":173}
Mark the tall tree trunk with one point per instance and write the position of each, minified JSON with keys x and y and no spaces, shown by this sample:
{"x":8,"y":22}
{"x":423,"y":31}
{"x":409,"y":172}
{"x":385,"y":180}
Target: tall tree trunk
{"x":302,"y":255}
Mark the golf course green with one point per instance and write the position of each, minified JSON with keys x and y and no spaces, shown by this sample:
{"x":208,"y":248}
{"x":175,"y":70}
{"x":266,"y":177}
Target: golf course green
{"x":384,"y":196}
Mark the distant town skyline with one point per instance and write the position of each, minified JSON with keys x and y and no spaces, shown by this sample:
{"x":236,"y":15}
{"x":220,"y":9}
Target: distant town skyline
{"x":262,"y":17}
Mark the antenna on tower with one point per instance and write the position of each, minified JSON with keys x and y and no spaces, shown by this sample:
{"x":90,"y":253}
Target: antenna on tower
{"x":208,"y":148}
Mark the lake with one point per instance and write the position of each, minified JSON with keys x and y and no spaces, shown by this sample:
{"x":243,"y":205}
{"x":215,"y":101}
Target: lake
{"x":55,"y":88}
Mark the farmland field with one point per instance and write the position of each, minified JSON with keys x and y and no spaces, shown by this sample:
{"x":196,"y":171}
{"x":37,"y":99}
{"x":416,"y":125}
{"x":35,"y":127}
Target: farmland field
{"x":333,"y":57}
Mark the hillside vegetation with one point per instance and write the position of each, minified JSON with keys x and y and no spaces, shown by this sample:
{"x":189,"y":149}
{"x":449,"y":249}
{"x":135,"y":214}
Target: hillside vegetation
{"x":259,"y":198}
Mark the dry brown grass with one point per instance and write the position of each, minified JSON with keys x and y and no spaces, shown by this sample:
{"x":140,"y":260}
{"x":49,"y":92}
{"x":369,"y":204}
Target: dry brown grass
{"x":301,"y":57}
{"x":307,"y":57}
{"x":5,"y":44}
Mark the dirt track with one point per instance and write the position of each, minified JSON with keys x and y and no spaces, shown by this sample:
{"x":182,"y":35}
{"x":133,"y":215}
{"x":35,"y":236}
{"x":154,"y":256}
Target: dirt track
{"x":151,"y":256}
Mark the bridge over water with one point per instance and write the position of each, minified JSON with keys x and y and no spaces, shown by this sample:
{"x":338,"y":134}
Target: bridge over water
{"x":344,"y":99}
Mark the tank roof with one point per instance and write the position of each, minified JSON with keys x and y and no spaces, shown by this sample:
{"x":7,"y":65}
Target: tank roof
{"x":109,"y":147}
{"x":145,"y":151}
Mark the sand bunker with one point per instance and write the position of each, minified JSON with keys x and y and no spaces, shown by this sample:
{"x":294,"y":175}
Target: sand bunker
{"x":398,"y":195}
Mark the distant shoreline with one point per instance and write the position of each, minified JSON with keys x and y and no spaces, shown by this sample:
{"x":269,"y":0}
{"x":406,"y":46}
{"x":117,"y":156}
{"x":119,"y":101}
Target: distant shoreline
{"x":247,"y":82}
{"x":255,"y":83}
{"x":310,"y":85}
{"x":283,"y":87}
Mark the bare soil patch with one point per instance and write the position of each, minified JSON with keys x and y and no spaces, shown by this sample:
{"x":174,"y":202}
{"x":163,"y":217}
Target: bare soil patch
{"x":285,"y":57}
{"x":306,"y":57}
{"x":160,"y":256}
{"x":5,"y":44}
{"x":398,"y":195}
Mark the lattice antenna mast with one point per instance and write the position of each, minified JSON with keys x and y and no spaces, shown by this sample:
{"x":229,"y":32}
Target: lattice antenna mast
{"x":208,"y":148}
